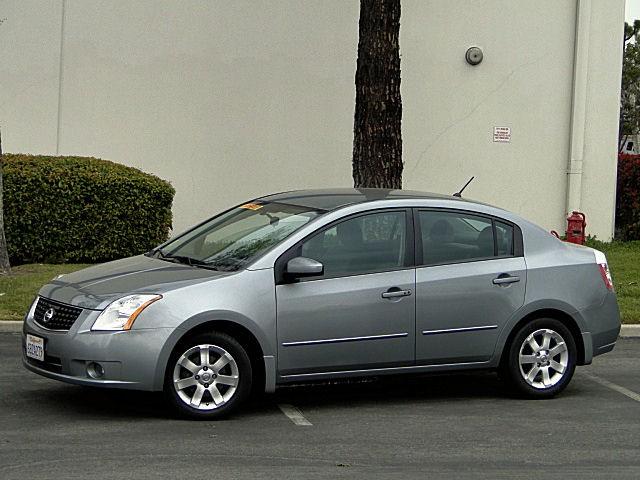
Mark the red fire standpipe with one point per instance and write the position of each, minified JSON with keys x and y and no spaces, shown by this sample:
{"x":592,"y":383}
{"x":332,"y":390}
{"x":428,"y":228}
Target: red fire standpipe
{"x":576,"y":228}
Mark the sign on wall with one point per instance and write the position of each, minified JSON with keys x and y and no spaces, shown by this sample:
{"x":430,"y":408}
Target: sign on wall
{"x":502,"y":134}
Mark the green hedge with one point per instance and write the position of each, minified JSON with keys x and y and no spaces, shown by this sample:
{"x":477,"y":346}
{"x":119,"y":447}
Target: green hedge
{"x":76,"y":209}
{"x":628,"y":198}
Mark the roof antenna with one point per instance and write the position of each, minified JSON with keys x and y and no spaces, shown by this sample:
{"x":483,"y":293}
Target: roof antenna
{"x":459,"y":194}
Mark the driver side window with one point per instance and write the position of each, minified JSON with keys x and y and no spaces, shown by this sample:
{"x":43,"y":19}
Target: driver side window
{"x":363,"y":244}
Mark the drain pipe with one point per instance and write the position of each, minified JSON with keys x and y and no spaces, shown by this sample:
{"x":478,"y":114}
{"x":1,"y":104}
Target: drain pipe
{"x":60,"y":75}
{"x":578,"y":106}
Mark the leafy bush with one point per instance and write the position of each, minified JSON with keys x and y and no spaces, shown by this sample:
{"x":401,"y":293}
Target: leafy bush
{"x":75,"y":209}
{"x":628,"y":198}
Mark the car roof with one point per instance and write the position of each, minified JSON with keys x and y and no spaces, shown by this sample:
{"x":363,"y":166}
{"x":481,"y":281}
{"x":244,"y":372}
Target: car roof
{"x":334,"y":198}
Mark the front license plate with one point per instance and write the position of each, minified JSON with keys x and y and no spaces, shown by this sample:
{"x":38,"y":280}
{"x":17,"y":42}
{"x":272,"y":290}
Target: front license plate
{"x":35,"y":347}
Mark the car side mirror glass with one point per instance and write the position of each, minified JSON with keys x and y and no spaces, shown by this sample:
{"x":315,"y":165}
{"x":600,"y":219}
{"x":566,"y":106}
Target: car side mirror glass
{"x":304,"y":267}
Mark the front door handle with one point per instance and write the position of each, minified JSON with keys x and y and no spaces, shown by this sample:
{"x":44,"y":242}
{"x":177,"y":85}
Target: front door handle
{"x":396,"y":292}
{"x":505,"y":278}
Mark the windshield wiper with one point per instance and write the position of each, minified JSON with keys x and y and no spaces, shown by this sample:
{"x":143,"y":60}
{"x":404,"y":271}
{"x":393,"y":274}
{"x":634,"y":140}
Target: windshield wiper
{"x":192,"y":262}
{"x":222,"y":267}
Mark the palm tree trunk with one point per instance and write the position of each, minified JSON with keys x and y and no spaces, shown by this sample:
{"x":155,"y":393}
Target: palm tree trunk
{"x":377,"y":137}
{"x":5,"y":267}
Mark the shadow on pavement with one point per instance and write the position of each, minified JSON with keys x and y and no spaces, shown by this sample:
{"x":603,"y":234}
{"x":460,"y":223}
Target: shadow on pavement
{"x":101,"y":403}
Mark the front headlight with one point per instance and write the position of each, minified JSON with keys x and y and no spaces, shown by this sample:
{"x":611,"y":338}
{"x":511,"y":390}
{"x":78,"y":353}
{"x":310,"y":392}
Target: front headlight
{"x":121,"y":314}
{"x":32,"y":308}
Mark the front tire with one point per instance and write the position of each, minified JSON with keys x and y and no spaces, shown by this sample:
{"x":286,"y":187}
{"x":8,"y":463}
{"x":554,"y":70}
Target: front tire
{"x":208,"y":376}
{"x":541,"y":359}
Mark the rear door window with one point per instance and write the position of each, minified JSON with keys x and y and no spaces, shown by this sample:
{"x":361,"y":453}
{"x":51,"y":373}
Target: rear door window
{"x":451,"y":237}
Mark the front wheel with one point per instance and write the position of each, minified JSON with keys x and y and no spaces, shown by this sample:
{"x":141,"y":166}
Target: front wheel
{"x":541,"y":359}
{"x":208,"y":376}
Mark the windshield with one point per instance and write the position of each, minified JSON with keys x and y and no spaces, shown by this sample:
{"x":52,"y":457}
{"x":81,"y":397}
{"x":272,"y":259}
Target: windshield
{"x":231,"y":240}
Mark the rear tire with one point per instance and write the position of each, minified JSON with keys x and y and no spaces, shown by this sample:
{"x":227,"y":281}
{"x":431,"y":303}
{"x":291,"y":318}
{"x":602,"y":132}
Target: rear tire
{"x":208,"y":376}
{"x":541,"y":359}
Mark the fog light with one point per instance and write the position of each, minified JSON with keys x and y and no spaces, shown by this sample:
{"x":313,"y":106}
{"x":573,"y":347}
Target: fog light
{"x":95,"y":370}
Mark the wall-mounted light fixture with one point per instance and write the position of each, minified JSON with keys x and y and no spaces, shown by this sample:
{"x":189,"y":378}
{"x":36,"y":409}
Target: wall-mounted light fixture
{"x":473,"y":55}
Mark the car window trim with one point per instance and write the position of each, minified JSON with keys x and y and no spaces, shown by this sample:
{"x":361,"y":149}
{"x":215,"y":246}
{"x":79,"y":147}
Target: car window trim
{"x":495,"y":238}
{"x":517,"y":247}
{"x":514,"y":235}
{"x":296,"y":249}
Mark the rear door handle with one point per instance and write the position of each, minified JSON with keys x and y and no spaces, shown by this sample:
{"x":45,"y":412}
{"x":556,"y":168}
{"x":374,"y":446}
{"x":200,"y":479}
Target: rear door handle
{"x":395,"y":292}
{"x":505,"y":278}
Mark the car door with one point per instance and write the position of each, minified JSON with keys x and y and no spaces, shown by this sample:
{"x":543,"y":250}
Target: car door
{"x":470,"y":279}
{"x":360,"y":313}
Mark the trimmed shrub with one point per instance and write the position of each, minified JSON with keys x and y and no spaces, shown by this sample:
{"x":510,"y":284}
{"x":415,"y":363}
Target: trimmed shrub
{"x":76,"y":209}
{"x":628,"y":198}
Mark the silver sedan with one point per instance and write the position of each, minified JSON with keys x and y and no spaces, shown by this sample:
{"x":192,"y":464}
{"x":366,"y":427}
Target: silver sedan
{"x":324,"y":284}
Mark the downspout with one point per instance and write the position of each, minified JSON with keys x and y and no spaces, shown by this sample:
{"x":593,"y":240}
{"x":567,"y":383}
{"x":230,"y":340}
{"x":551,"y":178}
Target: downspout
{"x":60,"y":76}
{"x":578,"y":106}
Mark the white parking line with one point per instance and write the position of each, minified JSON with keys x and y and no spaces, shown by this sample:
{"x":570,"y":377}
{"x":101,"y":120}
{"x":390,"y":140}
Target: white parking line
{"x":613,"y":386}
{"x":295,"y":415}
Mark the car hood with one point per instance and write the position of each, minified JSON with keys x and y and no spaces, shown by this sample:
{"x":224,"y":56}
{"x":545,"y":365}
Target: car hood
{"x":95,"y":287}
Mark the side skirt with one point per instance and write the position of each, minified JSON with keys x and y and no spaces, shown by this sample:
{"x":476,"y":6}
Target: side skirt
{"x":302,"y":377}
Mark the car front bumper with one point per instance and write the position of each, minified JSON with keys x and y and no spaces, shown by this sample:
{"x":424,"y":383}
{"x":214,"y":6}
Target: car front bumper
{"x":129,"y":359}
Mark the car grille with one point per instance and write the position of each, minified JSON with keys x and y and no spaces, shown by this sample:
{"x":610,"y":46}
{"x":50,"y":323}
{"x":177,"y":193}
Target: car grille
{"x":63,"y":316}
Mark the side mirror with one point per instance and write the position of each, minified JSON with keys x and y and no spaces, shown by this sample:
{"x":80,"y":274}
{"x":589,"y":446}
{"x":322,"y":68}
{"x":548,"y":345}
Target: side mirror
{"x":304,"y":267}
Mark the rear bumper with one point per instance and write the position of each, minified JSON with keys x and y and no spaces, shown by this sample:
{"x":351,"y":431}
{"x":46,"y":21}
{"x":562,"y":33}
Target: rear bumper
{"x":602,"y":323}
{"x":129,"y":359}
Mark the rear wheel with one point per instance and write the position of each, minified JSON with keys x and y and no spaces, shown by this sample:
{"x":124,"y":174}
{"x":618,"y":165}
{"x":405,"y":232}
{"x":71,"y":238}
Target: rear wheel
{"x":208,"y":376}
{"x":541,"y":359}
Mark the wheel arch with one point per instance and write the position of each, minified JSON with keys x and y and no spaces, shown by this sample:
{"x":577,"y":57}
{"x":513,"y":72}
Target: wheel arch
{"x":570,"y":319}
{"x":257,"y":346}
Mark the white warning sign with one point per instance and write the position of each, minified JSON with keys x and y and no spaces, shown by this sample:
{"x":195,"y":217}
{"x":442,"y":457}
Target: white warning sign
{"x":502,"y":134}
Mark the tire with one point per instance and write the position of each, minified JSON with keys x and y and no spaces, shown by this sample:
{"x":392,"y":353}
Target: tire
{"x":541,"y":359}
{"x":208,"y":390}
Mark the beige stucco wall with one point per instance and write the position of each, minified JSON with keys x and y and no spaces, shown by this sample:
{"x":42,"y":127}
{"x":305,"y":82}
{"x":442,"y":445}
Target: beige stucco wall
{"x":30,"y":45}
{"x":524,"y":83}
{"x":230,"y":100}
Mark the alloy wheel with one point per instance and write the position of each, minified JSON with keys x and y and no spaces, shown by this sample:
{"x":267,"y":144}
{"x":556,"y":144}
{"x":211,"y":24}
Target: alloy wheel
{"x":205,"y":377}
{"x":543,"y":358}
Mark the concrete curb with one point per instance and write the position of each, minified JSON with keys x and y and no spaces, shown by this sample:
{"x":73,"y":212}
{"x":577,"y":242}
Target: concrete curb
{"x":627,"y":331}
{"x":7,"y":326}
{"x":630,"y":331}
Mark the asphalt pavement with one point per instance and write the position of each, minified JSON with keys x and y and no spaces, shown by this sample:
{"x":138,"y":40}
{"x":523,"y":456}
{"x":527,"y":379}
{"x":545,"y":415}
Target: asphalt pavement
{"x":446,"y":426}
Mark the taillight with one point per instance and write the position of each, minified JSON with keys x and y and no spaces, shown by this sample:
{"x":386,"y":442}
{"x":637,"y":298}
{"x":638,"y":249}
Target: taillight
{"x":601,"y":260}
{"x":606,"y":275}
